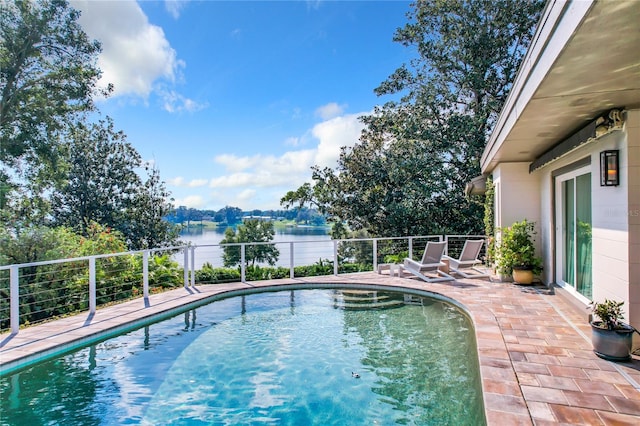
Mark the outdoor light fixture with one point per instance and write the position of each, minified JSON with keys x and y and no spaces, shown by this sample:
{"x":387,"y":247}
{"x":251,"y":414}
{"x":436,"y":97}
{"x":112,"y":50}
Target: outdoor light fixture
{"x":609,"y":170}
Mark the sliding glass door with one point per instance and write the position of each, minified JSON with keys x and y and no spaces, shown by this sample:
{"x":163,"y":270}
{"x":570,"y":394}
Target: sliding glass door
{"x":573,"y":231}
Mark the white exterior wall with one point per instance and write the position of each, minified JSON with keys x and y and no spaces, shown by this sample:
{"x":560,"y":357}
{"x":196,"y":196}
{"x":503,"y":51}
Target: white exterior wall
{"x":631,"y":177}
{"x":610,"y":227}
{"x":517,"y":197}
{"x":517,"y":194}
{"x":546,"y":224}
{"x":615,"y":220}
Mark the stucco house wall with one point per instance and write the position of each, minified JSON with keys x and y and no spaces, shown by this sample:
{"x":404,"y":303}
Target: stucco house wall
{"x":631,"y":174}
{"x":615,"y":217}
{"x":519,"y":194}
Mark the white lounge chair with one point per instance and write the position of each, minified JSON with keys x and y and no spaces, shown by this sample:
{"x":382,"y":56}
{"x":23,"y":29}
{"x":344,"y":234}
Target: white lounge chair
{"x":430,"y":264}
{"x":465,"y":265}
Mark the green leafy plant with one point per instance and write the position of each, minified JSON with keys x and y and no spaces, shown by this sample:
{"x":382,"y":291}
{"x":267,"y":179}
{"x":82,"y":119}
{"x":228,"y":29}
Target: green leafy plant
{"x":489,"y":220}
{"x":209,"y":274}
{"x":517,"y":249}
{"x":609,"y":312}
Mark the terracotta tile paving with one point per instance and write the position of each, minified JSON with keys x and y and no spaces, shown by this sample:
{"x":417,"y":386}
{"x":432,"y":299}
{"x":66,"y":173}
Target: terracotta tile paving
{"x":534,"y":350}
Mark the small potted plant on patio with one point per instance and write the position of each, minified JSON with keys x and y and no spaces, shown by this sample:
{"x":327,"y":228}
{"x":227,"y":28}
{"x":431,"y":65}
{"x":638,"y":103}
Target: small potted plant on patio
{"x":611,"y":338}
{"x":515,"y":254}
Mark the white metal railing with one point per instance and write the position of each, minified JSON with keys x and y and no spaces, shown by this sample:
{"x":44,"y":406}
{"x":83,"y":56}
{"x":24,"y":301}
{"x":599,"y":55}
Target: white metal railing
{"x":86,"y":273}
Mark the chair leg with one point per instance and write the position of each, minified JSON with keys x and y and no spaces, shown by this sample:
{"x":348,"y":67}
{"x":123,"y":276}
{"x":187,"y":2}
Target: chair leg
{"x":478,"y":273}
{"x":445,"y":276}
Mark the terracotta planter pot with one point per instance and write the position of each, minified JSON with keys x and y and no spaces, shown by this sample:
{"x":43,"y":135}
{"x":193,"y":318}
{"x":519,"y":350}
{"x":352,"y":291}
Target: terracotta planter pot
{"x":522,"y":276}
{"x":612,"y":345}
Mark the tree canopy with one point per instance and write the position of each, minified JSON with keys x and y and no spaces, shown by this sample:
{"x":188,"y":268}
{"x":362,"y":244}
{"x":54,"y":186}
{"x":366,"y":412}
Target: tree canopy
{"x":406,"y":175}
{"x":252,"y":230}
{"x":104,"y":184}
{"x":48,"y":76}
{"x":58,"y":165}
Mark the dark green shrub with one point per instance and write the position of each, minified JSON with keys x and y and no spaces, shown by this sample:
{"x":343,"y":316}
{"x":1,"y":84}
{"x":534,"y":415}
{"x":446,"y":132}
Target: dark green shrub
{"x":210,"y":275}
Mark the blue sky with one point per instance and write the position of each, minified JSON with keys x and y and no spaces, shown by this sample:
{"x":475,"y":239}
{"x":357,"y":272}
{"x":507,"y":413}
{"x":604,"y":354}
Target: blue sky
{"x":235,"y":101}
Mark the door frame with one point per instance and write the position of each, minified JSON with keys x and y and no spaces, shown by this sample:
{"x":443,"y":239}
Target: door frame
{"x":559,"y":231}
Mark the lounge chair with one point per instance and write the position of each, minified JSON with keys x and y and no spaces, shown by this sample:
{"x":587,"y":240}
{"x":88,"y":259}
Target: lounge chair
{"x":430,"y":264}
{"x":465,"y":265}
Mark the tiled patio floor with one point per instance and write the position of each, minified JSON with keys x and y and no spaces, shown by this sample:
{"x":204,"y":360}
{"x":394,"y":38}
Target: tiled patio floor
{"x":534,"y":347}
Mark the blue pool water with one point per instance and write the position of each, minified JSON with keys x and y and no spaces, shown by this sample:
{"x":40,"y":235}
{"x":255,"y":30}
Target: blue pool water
{"x":282,"y":358}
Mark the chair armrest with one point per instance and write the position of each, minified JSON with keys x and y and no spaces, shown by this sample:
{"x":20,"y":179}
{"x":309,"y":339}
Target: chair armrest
{"x":413,"y":264}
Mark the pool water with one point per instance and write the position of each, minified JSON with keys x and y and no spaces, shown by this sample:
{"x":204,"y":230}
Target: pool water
{"x":304,"y":357}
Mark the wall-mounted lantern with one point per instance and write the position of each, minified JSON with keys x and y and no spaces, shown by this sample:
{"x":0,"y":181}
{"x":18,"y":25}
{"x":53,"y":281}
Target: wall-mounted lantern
{"x":609,"y":168}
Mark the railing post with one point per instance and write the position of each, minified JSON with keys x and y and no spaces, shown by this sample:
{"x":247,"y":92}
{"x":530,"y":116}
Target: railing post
{"x":193,"y":266}
{"x":243,"y":271}
{"x":92,"y":285}
{"x":145,"y":274}
{"x":410,"y":247}
{"x":14,"y":302}
{"x":291,"y":271}
{"x":186,"y":267}
{"x":446,"y":246}
{"x":335,"y":257}
{"x":375,"y":254}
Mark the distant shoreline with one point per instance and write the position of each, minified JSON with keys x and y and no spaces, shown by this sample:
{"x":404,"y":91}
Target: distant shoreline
{"x":278,"y":224}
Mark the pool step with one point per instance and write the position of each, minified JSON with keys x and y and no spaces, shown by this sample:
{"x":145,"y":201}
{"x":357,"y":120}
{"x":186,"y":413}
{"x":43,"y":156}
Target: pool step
{"x":362,"y":300}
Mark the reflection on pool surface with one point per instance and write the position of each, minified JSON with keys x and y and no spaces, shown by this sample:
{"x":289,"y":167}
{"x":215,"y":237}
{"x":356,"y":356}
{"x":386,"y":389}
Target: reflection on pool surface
{"x":270,"y":358}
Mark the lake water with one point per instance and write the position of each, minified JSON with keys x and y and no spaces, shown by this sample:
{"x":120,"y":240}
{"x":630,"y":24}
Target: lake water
{"x":310,"y":245}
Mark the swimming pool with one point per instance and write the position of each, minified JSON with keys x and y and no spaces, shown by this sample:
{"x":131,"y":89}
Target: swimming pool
{"x":288,"y":357}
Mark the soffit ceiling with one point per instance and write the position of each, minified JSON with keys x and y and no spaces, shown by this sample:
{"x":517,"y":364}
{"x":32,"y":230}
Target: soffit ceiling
{"x":599,"y":69}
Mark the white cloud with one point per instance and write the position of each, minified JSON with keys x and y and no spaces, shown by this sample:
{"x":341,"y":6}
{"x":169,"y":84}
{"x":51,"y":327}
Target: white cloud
{"x":173,"y":101}
{"x":181,"y":182}
{"x":174,"y":7}
{"x":313,"y":4}
{"x":197,"y":183}
{"x":264,"y":170}
{"x":135,"y":53}
{"x":259,"y":181}
{"x":191,"y":201}
{"x":176,"y":181}
{"x":334,"y":134}
{"x":330,"y":110}
{"x":246,"y":195}
{"x":233,"y":163}
{"x":292,"y":141}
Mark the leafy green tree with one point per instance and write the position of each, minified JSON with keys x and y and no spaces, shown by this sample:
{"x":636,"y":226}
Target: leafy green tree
{"x":102,"y":180}
{"x":228,"y":215}
{"x":145,"y":224}
{"x":56,"y":289}
{"x":407,"y":174}
{"x":32,"y":245}
{"x":48,"y":77}
{"x":252,"y":230}
{"x":304,"y":195}
{"x":104,"y":186}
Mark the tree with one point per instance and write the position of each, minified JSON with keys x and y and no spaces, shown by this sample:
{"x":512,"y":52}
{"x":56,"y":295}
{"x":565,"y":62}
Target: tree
{"x":252,"y":230}
{"x":48,"y":77}
{"x":407,"y":174}
{"x":103,"y":185}
{"x":101,"y":182}
{"x":145,"y":225}
{"x":228,"y":215}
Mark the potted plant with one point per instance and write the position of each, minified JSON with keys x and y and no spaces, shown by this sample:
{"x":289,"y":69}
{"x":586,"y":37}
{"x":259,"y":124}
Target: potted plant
{"x":611,"y":338}
{"x":515,"y":254}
